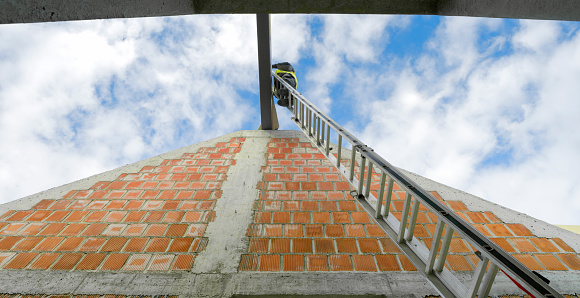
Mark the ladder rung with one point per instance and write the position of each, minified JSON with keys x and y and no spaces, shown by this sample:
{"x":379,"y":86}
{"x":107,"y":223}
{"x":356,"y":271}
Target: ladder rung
{"x":477,"y":277}
{"x":381,"y":195}
{"x":412,"y":220}
{"x":388,"y":199}
{"x":404,"y":215}
{"x":444,"y":249}
{"x":434,"y":246}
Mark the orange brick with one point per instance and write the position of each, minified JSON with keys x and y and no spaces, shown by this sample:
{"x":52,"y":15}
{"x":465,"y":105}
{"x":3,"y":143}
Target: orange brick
{"x":355,"y":231}
{"x":19,"y":215}
{"x":492,"y":217}
{"x":477,"y":217}
{"x":323,"y":245}
{"x":43,"y":204}
{"x":137,"y":262}
{"x":562,"y":244}
{"x":135,"y":230}
{"x":293,"y":231}
{"x":317,"y":263}
{"x":571,"y":260}
{"x":158,"y":245}
{"x":406,"y":264}
{"x":502,"y":242}
{"x":458,"y":263}
{"x":20,"y":261}
{"x":95,"y":216}
{"x":340,"y":263}
{"x":73,"y":230}
{"x":160,"y":262}
{"x":389,"y":246}
{"x":360,"y":217}
{"x":12,"y":228}
{"x":314,"y":231}
{"x":76,"y":216}
{"x":57,"y":215}
{"x":368,"y":245}
{"x":545,"y":245}
{"x":67,"y":261}
{"x":154,"y":216}
{"x":458,"y":245}
{"x":550,"y":262}
{"x":364,"y":263}
{"x":28,"y":243}
{"x":70,"y":244}
{"x":302,"y":245}
{"x":301,"y":217}
{"x":520,"y":230}
{"x":49,"y":243}
{"x":114,"y":230}
{"x":273,"y":230}
{"x":293,"y":263}
{"x":340,"y":217}
{"x":7,"y":243}
{"x":499,"y":230}
{"x":176,"y":230}
{"x":281,"y":217}
{"x":259,"y":245}
{"x":53,"y":229}
{"x":269,"y":263}
{"x":346,"y":205}
{"x":180,"y":245}
{"x":91,"y":261}
{"x":92,"y":244}
{"x":114,"y":261}
{"x":136,"y":244}
{"x":528,"y":261}
{"x":44,"y":261}
{"x":344,"y":245}
{"x":183,"y":262}
{"x":279,"y":245}
{"x":134,"y":216}
{"x":457,"y":205}
{"x":387,"y":263}
{"x":321,"y":217}
{"x":114,"y":244}
{"x":523,"y":245}
{"x":176,"y":216}
{"x":328,"y":206}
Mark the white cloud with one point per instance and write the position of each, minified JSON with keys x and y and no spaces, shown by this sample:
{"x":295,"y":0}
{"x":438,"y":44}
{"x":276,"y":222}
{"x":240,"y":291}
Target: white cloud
{"x":500,"y":127}
{"x":78,"y":98}
{"x":345,"y":38}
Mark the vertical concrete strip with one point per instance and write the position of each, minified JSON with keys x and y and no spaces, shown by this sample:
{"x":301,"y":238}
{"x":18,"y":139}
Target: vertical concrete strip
{"x":227,"y":234}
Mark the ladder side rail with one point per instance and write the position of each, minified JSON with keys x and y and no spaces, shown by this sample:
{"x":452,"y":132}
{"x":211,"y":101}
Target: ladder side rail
{"x":488,"y":248}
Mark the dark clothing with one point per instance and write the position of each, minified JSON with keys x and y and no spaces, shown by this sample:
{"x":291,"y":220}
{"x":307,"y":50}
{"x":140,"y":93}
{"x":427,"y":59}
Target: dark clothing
{"x":286,"y":72}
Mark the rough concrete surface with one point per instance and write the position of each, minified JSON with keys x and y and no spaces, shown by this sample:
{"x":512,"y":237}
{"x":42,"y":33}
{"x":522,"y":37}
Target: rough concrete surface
{"x":390,"y":284}
{"x":234,"y":211}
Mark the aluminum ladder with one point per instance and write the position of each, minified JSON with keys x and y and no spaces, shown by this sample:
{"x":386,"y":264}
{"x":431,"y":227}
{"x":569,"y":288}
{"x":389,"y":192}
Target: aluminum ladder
{"x":428,"y":261}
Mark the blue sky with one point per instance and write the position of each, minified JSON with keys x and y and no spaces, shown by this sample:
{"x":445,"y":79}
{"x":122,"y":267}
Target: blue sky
{"x":488,"y":106}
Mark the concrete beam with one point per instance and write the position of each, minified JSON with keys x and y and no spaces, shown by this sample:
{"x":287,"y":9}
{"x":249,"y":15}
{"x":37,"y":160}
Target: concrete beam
{"x":32,"y":11}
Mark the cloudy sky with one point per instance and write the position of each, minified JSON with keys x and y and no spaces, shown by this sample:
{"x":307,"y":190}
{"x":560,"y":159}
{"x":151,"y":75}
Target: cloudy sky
{"x":488,"y":106}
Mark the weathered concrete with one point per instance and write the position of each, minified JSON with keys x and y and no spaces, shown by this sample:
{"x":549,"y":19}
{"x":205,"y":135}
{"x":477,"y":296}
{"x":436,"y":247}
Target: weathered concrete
{"x":30,"y":11}
{"x":390,"y":284}
{"x":234,"y":211}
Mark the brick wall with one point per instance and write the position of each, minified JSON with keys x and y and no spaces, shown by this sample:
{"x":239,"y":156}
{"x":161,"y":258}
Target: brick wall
{"x":305,"y":220}
{"x":151,"y":220}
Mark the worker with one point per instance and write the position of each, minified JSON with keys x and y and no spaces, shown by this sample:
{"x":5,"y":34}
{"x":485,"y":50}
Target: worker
{"x":285,"y":71}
